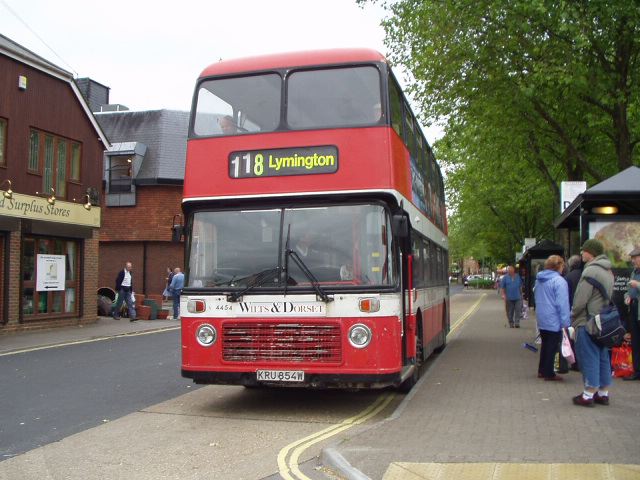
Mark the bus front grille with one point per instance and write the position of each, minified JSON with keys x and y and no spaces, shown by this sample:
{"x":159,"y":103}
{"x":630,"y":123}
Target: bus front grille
{"x":282,"y":342}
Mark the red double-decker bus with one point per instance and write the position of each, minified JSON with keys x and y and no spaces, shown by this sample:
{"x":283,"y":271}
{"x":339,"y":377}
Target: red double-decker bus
{"x":316,"y":237}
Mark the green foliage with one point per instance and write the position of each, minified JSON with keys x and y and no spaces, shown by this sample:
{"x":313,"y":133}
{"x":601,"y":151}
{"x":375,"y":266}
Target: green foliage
{"x":481,"y":283}
{"x":532,"y":92}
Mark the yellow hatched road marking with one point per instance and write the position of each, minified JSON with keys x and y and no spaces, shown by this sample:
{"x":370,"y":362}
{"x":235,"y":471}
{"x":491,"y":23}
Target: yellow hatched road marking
{"x":287,"y":469}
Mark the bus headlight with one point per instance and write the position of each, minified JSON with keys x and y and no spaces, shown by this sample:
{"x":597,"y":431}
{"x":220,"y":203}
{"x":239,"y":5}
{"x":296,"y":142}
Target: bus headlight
{"x":360,"y":335}
{"x":206,"y":335}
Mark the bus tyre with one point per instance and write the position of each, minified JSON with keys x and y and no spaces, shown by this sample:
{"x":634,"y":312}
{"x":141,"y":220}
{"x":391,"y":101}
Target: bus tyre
{"x":408,"y":384}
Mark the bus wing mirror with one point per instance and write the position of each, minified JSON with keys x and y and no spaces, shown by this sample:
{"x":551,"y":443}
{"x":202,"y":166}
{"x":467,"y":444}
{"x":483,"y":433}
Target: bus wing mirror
{"x":177,"y":230}
{"x":177,"y":233}
{"x":400,"y":226}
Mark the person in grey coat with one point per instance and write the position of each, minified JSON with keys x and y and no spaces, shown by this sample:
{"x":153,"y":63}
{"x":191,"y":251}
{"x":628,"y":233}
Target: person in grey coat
{"x":594,"y":359}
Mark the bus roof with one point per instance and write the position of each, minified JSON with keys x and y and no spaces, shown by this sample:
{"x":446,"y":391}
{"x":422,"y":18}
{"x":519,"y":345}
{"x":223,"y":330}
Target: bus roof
{"x":293,"y":59}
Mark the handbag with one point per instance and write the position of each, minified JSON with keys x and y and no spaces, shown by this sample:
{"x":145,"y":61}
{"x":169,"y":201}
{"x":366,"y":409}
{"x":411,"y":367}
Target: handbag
{"x":565,"y":348}
{"x":605,"y":328}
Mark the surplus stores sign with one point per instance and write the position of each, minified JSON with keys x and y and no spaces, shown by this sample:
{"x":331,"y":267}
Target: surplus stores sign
{"x":283,"y":162}
{"x":37,"y":208}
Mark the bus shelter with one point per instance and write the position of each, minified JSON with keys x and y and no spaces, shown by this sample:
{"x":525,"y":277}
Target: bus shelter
{"x":532,"y":262}
{"x":610,"y":213}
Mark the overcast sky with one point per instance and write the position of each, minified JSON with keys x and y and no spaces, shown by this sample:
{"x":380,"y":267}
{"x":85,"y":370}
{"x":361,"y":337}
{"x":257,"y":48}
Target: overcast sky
{"x":149,"y":53}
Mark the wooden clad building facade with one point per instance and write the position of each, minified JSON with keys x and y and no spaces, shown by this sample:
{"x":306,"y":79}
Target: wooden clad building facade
{"x":51,"y":151}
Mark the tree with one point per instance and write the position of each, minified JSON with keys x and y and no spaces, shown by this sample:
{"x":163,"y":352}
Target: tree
{"x":549,"y":88}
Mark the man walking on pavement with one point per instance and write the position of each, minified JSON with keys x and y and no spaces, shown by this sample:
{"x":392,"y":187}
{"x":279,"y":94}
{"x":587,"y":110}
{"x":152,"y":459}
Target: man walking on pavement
{"x":511,"y":287}
{"x":124,"y":289}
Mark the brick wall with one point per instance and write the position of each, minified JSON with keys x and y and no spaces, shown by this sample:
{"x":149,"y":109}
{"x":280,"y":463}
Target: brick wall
{"x":148,"y":276}
{"x":150,"y":220}
{"x":142,"y":235}
{"x":13,"y":278}
{"x":161,"y":255}
{"x":113,"y":256}
{"x":88,"y":302}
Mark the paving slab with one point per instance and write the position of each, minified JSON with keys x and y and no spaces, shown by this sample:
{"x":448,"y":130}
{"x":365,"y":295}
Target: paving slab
{"x":480,"y":402}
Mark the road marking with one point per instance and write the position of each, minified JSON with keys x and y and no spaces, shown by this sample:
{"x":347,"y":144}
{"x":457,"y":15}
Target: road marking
{"x":287,"y":469}
{"x":90,"y":340}
{"x":467,"y":314}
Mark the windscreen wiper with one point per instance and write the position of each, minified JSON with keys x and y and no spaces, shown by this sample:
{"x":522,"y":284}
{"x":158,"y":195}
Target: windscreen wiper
{"x":314,"y":281}
{"x":259,"y":279}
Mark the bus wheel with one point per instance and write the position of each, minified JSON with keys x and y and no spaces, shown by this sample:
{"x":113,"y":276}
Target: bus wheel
{"x":408,"y":384}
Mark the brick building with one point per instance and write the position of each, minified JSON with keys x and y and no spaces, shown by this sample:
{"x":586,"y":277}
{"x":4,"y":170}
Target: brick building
{"x":51,"y":151}
{"x":143,"y":177}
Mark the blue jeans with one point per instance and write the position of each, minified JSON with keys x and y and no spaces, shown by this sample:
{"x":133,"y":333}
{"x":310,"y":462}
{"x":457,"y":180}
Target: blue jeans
{"x":176,"y":304}
{"x":594,"y":361}
{"x":124,"y":295}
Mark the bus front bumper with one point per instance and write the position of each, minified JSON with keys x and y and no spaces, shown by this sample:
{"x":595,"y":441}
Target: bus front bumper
{"x":311,"y":380}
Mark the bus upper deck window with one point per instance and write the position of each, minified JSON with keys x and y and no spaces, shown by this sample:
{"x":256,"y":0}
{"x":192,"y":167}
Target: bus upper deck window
{"x":239,"y":105}
{"x":336,"y":97}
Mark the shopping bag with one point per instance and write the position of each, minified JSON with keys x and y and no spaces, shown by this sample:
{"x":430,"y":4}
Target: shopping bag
{"x":622,"y":361}
{"x":565,"y":348}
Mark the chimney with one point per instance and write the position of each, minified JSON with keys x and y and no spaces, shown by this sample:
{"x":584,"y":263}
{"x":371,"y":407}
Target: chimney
{"x":94,"y":93}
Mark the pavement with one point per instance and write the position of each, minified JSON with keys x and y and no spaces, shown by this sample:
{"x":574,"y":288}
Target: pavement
{"x":478,"y":412}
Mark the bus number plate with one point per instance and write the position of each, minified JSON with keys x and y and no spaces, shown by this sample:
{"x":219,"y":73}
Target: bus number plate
{"x":280,"y":376}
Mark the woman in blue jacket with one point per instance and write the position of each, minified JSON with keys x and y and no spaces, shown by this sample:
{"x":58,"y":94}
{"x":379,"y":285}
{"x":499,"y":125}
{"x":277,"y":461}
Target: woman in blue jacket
{"x":552,"y":313}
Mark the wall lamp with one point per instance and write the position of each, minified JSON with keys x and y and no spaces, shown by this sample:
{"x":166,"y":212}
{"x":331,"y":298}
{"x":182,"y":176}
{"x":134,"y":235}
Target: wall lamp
{"x":8,"y":194}
{"x":51,"y":200}
{"x":87,"y":206}
{"x":605,"y":210}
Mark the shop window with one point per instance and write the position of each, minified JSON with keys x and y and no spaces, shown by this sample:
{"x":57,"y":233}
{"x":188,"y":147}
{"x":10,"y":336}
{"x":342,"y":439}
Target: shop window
{"x":34,"y":152}
{"x":47,"y":181}
{"x":28,"y":261}
{"x":3,"y":142}
{"x":61,"y":177}
{"x":61,"y":257}
{"x":74,"y":168}
{"x":27,"y":301}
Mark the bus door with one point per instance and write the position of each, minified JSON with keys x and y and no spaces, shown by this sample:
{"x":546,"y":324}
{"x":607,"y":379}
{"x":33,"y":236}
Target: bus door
{"x":407,"y":290}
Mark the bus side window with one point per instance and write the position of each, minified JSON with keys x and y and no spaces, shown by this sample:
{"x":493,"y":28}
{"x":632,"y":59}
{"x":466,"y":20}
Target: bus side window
{"x":395,"y":104}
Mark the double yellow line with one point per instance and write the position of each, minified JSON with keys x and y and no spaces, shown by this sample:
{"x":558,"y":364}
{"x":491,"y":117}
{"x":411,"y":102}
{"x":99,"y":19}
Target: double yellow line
{"x":289,"y":470}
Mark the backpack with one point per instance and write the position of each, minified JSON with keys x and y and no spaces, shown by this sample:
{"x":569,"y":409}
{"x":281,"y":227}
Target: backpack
{"x":605,"y":328}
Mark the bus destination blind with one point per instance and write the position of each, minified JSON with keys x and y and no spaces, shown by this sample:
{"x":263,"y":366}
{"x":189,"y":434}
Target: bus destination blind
{"x":283,"y":161}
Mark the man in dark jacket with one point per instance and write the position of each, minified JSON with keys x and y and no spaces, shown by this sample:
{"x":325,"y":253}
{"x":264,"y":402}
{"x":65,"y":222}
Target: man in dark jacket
{"x":124,"y":289}
{"x":573,"y":276}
